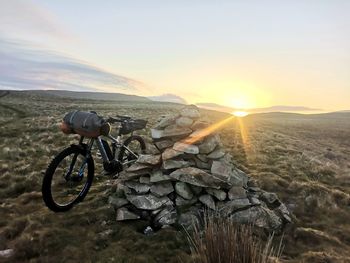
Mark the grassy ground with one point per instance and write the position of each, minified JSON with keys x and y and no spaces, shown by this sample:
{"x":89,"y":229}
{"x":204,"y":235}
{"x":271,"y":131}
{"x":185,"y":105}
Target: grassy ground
{"x":306,"y":160}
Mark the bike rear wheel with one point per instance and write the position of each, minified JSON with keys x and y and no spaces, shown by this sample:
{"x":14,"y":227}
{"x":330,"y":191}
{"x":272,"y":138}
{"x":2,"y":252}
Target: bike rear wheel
{"x":67,"y":179}
{"x":137,"y":145}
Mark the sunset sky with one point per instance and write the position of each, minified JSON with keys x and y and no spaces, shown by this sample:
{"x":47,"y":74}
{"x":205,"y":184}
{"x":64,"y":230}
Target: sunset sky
{"x":242,"y":54}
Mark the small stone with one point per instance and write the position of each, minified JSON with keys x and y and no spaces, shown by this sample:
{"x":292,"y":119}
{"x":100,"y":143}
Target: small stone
{"x":162,"y":188}
{"x":209,"y":144}
{"x":184,"y":122}
{"x":183,"y":190}
{"x":158,"y":176}
{"x":170,"y":153}
{"x":144,"y":179}
{"x":148,"y":231}
{"x":7,"y":253}
{"x":174,"y":164}
{"x":219,"y":194}
{"x":187,"y":148}
{"x":138,"y":187}
{"x":149,"y":159}
{"x":161,"y":145}
{"x":190,"y":111}
{"x":237,"y":192}
{"x":117,"y":202}
{"x":208,"y":201}
{"x":216,"y":154}
{"x":124,"y":214}
{"x":148,"y":202}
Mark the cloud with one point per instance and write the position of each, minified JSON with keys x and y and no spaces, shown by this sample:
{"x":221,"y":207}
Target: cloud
{"x":29,"y":20}
{"x":24,"y":66}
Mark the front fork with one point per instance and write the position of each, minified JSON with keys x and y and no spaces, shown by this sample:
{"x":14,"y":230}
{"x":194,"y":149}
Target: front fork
{"x":80,"y":175}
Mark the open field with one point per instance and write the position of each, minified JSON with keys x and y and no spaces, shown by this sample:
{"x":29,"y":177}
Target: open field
{"x":304,"y":159}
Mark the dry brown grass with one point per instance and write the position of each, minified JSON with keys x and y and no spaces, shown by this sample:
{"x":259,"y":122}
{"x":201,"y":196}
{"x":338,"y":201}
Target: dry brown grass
{"x":220,"y":240}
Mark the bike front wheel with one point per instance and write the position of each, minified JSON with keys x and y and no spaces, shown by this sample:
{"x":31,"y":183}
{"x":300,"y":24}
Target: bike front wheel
{"x":67,"y":179}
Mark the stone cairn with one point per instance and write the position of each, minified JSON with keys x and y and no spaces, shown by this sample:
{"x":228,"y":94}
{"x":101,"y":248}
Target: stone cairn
{"x":187,"y":172}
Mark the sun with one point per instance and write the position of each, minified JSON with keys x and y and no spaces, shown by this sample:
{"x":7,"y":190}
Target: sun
{"x":240,"y":113}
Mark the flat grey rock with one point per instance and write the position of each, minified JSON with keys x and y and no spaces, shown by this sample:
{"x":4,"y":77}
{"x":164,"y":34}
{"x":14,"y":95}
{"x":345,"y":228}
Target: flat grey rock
{"x":162,"y":188}
{"x":190,"y":111}
{"x":163,"y":144}
{"x":196,"y":189}
{"x":187,"y":148}
{"x":237,"y":192}
{"x":137,"y":167}
{"x":183,"y":190}
{"x":138,"y":187}
{"x":145,"y":179}
{"x":198,"y":177}
{"x":117,"y":202}
{"x":149,"y":159}
{"x":166,"y":121}
{"x":203,"y":165}
{"x":208,"y":201}
{"x":216,"y":154}
{"x":179,"y":201}
{"x":184,"y":122}
{"x":165,"y":217}
{"x":148,"y":202}
{"x":258,"y":216}
{"x":209,"y":144}
{"x":156,"y":134}
{"x":175,"y":131}
{"x":218,"y":194}
{"x":174,"y":164}
{"x":170,"y":153}
{"x":124,"y":214}
{"x":200,"y":125}
{"x":158,"y":176}
{"x":230,"y":207}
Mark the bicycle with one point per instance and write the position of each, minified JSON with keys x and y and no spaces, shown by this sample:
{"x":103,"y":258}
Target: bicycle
{"x":69,"y":176}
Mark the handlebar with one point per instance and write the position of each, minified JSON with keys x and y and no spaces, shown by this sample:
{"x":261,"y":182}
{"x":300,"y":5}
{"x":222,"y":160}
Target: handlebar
{"x":119,"y":118}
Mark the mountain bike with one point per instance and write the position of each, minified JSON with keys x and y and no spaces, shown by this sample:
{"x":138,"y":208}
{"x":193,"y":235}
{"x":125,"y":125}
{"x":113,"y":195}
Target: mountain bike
{"x":69,"y":176}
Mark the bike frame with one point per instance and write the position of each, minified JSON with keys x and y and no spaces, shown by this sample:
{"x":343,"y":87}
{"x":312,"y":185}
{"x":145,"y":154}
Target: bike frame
{"x":118,"y":142}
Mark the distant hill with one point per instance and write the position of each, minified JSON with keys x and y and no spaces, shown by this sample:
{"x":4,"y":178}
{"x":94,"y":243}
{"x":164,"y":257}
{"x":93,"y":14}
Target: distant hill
{"x":86,"y":95}
{"x":278,"y":108}
{"x":169,"y":98}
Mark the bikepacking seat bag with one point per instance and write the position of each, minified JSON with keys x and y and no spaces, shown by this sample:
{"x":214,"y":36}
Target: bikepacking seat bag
{"x":87,"y":124}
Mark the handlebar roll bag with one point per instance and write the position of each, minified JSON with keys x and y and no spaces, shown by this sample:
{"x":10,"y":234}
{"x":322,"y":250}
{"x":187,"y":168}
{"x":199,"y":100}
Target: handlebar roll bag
{"x":87,"y":124}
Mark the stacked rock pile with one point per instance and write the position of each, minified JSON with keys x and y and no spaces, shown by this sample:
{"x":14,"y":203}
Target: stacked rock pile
{"x":189,"y":173}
